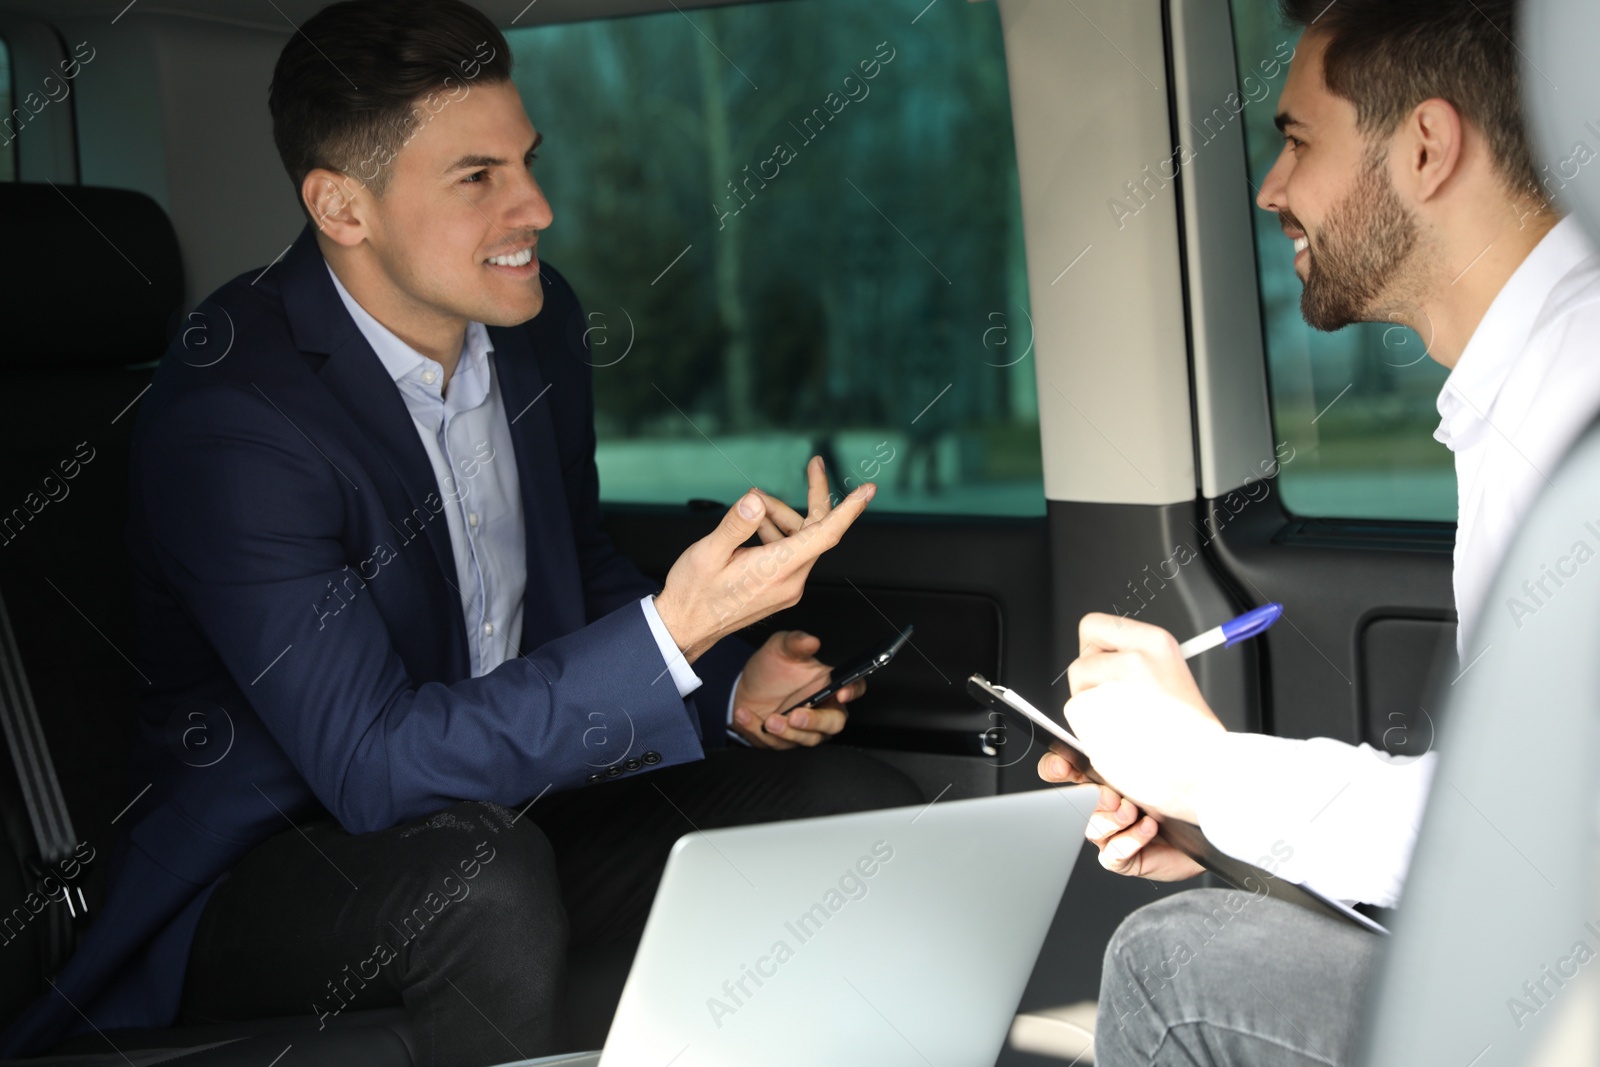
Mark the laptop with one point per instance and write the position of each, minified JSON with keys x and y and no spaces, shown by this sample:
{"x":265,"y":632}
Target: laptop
{"x":898,"y":936}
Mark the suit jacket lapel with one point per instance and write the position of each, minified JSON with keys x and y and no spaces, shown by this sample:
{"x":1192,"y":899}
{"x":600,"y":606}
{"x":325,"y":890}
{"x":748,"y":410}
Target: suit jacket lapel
{"x":357,"y":379}
{"x":554,"y":603}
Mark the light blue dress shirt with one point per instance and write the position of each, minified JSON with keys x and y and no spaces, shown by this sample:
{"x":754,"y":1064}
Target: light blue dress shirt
{"x":464,"y":431}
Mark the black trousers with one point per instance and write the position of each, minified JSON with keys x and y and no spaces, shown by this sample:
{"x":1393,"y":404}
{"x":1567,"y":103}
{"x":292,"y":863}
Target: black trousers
{"x":505,"y":936}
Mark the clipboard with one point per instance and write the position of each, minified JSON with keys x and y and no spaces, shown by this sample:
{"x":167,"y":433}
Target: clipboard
{"x":1184,"y":836}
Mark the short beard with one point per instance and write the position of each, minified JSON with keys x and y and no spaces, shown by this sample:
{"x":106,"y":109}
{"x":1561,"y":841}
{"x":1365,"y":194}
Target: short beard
{"x":1366,"y":242}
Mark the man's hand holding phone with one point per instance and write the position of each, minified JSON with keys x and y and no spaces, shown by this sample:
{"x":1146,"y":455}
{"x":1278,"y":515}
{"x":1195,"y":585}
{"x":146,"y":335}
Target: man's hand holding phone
{"x":784,"y":671}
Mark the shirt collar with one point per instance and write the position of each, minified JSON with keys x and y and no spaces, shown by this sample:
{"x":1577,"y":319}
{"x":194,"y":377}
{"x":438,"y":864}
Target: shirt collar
{"x":404,"y":362}
{"x":1475,"y":381}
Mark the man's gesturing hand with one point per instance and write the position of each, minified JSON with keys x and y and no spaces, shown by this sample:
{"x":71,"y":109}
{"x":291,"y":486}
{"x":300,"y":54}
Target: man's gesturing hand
{"x":718,"y":585}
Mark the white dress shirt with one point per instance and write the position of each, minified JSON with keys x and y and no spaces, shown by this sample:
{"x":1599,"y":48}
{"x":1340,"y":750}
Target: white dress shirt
{"x":1523,"y":390}
{"x":1525,"y":387}
{"x":464,"y":431}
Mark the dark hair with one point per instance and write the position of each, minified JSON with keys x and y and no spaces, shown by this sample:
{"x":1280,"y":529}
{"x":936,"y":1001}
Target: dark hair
{"x":1388,"y":56}
{"x":345,"y":92}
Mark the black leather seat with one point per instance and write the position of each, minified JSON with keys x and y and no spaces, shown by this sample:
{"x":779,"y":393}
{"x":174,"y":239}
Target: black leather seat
{"x":92,"y":289}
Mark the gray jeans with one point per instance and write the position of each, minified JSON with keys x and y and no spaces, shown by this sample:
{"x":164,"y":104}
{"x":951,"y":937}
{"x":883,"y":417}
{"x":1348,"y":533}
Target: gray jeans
{"x":1217,"y":976}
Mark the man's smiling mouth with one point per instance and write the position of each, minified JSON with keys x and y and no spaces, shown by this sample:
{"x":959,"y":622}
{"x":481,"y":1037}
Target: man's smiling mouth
{"x":514,"y":259}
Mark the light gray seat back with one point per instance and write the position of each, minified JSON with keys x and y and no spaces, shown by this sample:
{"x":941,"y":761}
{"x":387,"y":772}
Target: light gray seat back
{"x":1502,"y":890}
{"x":1561,"y":97}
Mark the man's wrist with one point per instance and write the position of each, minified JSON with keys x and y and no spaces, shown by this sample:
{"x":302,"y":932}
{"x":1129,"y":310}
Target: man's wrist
{"x":683,"y":676}
{"x":1191,"y":764}
{"x":691,"y":644}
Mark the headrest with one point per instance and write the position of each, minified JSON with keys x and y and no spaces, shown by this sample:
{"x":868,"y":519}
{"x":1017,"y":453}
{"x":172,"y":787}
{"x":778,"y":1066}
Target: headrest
{"x":1559,"y":38}
{"x":90,"y":277}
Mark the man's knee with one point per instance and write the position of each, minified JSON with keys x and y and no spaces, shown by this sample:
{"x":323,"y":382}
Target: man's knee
{"x":1129,"y":974}
{"x":1156,"y":951}
{"x":1195,"y":964}
{"x":488,"y":873}
{"x":475,"y":915}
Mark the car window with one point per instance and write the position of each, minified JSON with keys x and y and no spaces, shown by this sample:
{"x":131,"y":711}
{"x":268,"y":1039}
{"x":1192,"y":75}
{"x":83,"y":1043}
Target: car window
{"x":8,"y":136}
{"x":795,"y":228}
{"x":1358,"y":405}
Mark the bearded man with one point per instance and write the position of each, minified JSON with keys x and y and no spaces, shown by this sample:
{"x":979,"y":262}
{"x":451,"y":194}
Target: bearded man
{"x":1408,"y":188}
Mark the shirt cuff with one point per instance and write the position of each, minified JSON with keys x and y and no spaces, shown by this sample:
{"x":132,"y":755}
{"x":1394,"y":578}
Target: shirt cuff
{"x":683,"y":675}
{"x":732,"y":733}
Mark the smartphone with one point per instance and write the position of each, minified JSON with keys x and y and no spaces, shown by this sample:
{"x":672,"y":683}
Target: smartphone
{"x":856,"y":668}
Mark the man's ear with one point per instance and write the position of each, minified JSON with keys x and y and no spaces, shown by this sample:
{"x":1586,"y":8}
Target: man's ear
{"x":1432,"y":141}
{"x":337,"y":204}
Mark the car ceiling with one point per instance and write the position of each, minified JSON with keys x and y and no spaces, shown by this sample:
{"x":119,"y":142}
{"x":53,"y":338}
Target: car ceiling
{"x":275,"y":14}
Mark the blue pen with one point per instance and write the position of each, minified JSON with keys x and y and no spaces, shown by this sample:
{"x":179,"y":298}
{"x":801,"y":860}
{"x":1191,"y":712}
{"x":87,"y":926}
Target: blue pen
{"x":1233,"y":631}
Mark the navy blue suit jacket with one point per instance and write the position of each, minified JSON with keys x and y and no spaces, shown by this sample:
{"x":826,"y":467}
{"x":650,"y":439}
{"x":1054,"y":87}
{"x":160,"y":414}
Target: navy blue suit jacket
{"x":303,"y":635}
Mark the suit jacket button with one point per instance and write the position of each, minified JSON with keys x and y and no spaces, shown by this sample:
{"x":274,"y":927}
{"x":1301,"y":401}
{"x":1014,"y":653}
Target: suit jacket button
{"x":633,"y":764}
{"x":595,"y":777}
{"x":613,"y":770}
{"x":652,"y":758}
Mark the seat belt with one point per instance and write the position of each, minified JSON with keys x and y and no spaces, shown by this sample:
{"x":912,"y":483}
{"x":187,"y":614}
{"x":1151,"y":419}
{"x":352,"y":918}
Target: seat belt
{"x":47,"y":808}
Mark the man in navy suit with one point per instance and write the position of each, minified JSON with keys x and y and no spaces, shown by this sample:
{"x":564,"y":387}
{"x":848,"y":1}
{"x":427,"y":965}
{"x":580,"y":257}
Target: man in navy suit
{"x":450,"y":732}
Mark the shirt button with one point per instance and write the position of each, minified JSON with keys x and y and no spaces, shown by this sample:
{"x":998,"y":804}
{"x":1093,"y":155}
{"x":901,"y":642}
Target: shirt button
{"x":472,"y":518}
{"x":428,"y":376}
{"x":488,"y":629}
